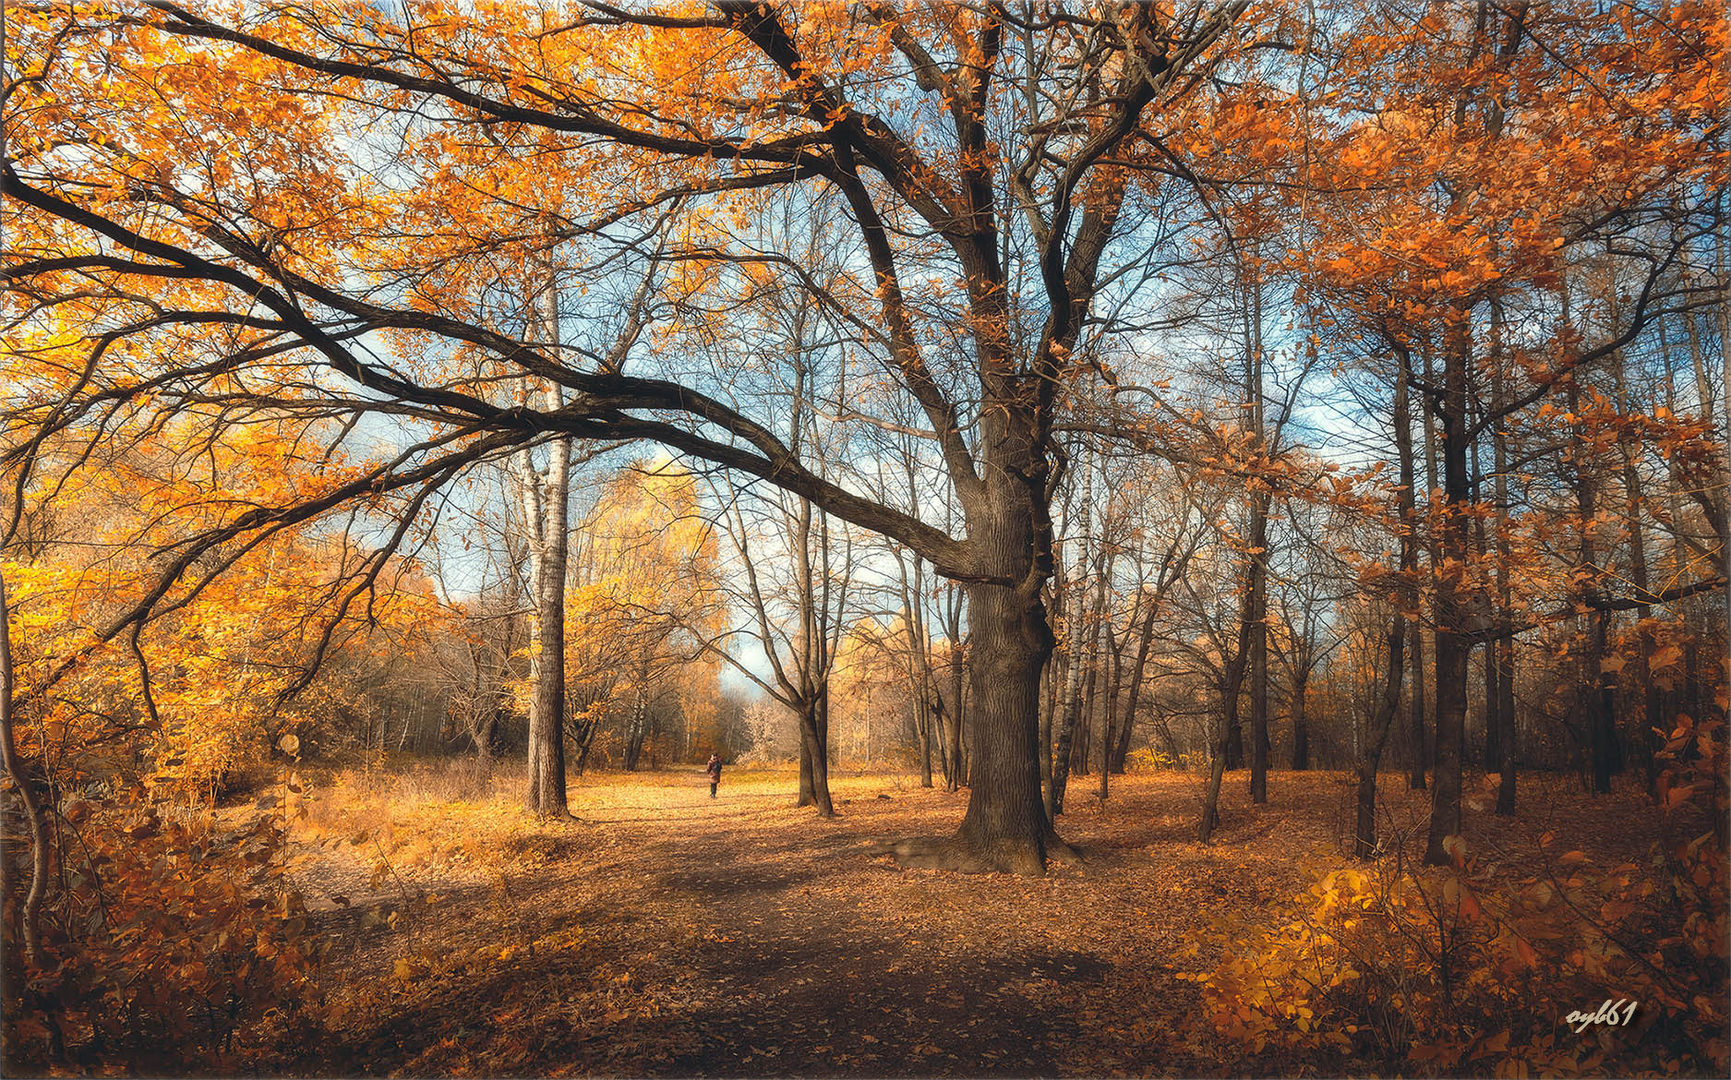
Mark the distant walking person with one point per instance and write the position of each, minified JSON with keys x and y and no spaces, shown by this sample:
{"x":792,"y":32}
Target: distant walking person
{"x":714,"y":770}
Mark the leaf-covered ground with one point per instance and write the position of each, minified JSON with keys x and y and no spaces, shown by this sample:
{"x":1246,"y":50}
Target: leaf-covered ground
{"x":668,"y":934}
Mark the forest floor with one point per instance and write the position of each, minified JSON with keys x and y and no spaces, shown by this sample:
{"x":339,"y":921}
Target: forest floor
{"x":664,"y":933}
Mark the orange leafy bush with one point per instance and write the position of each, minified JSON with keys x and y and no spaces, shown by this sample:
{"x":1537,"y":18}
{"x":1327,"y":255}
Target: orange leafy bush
{"x":172,"y":935}
{"x":1475,"y":967}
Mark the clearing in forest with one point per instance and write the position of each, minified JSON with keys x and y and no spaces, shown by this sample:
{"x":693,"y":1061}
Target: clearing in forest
{"x":666,"y":934}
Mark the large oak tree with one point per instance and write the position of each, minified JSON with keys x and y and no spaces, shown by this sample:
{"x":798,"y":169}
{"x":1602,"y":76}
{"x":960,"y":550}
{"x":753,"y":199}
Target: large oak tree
{"x":326,"y":212}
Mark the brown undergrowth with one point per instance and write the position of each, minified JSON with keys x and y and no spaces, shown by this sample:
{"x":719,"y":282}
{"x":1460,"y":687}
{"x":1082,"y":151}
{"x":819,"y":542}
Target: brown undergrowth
{"x":663,"y":933}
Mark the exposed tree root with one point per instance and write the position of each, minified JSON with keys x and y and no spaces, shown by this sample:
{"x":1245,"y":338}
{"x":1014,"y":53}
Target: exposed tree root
{"x":1060,"y":851}
{"x":954,"y":854}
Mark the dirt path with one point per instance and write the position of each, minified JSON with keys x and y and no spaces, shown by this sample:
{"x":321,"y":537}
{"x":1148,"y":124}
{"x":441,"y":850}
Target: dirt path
{"x":811,"y":982}
{"x":672,"y":935}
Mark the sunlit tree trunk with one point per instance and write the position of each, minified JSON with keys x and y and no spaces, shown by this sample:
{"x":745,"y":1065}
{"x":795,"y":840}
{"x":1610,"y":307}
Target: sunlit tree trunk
{"x":923,"y":723}
{"x":546,"y":506}
{"x":1064,"y":723}
{"x":814,"y":738}
{"x":1083,"y":665}
{"x":814,"y":653}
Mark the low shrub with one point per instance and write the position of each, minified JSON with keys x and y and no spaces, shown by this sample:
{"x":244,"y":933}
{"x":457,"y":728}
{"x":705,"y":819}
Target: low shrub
{"x":172,"y":933}
{"x":1473,"y":968}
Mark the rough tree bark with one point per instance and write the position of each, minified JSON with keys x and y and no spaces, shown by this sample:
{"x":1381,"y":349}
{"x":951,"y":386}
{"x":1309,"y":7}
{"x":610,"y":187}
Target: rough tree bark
{"x":1453,"y":599}
{"x":546,"y":501}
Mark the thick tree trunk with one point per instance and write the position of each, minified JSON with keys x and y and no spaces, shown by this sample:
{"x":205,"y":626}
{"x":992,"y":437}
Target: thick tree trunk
{"x":807,"y":784}
{"x":814,"y":743}
{"x":546,"y":793}
{"x":547,"y":504}
{"x":1005,"y":827}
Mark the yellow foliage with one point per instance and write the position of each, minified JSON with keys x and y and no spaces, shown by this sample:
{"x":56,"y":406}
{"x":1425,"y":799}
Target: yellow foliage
{"x":1440,"y":971}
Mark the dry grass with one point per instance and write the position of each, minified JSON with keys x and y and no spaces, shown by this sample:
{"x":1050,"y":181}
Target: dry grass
{"x":663,"y":933}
